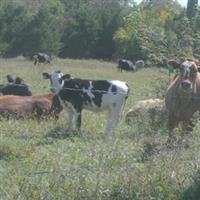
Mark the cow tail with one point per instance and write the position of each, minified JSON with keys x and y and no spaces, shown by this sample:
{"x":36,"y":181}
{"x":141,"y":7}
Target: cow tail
{"x":127,"y":91}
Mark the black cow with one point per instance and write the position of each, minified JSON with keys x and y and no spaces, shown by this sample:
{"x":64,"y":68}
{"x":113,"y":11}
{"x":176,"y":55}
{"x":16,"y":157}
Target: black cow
{"x":97,"y":95}
{"x":15,"y":87}
{"x":41,"y":58}
{"x":126,"y":65}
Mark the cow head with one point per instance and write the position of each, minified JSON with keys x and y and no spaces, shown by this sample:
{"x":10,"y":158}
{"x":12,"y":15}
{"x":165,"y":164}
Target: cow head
{"x":57,"y":80}
{"x":188,"y":74}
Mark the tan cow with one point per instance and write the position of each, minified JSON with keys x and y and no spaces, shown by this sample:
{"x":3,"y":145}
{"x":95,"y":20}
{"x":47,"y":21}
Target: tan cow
{"x":29,"y":106}
{"x":154,"y":108}
{"x":183,"y":95}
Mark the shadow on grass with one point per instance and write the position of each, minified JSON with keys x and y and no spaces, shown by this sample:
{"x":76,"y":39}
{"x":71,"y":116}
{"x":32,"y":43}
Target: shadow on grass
{"x":193,"y":191}
{"x":62,"y":133}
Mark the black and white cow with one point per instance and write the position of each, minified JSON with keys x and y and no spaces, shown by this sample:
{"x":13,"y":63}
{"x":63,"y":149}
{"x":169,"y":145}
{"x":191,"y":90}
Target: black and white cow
{"x":97,"y":95}
{"x":41,"y":58}
{"x":126,"y":65}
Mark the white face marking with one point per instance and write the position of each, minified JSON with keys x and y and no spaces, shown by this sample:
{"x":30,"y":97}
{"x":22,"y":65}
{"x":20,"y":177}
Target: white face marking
{"x":56,"y":85}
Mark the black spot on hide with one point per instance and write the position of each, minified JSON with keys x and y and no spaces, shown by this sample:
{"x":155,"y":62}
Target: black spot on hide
{"x":114,"y":89}
{"x":99,"y":88}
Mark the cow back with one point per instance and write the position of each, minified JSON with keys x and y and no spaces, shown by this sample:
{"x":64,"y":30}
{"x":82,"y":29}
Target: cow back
{"x":16,"y":89}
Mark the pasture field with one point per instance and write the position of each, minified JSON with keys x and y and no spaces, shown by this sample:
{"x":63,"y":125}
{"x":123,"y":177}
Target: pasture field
{"x":42,"y":161}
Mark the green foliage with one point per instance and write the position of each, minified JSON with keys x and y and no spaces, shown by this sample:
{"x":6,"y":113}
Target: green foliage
{"x":43,"y":33}
{"x":81,"y":33}
{"x":13,"y":19}
{"x":90,"y":29}
{"x":152,"y":31}
{"x":147,"y":33}
{"x":26,"y":33}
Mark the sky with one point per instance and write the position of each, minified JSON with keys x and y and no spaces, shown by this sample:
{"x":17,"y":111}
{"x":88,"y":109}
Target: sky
{"x":182,"y":2}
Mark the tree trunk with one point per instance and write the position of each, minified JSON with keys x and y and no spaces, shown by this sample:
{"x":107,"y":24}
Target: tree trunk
{"x":191,"y":8}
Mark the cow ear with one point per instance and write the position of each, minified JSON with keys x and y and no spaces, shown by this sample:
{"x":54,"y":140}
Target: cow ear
{"x":19,"y":80}
{"x":10,"y":78}
{"x":66,"y":77}
{"x":174,"y":63}
{"x":45,"y":75}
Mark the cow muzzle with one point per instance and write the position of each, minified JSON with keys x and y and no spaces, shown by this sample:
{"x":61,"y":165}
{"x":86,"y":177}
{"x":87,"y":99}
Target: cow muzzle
{"x":186,"y":85}
{"x":53,"y":90}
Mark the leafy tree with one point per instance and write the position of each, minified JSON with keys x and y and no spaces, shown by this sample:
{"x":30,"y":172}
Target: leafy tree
{"x":196,"y":34}
{"x":153,"y":30}
{"x":90,"y":28}
{"x":13,"y":18}
{"x":45,"y":30}
{"x":81,"y":33}
{"x":40,"y":31}
{"x":144,"y":34}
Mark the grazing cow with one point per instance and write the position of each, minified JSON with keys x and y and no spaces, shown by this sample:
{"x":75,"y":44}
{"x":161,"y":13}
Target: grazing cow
{"x":32,"y":106}
{"x":97,"y":95}
{"x":126,"y":65}
{"x":41,"y":58}
{"x":183,"y":95}
{"x":15,"y":87}
{"x":139,"y":64}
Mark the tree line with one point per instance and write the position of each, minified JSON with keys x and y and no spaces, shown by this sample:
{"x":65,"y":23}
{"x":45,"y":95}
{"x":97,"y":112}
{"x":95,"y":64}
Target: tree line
{"x":108,"y":29}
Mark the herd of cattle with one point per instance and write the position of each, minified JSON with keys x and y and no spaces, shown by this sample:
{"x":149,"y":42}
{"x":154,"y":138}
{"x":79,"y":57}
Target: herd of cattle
{"x":71,"y":94}
{"x":181,"y":101}
{"x":123,"y":64}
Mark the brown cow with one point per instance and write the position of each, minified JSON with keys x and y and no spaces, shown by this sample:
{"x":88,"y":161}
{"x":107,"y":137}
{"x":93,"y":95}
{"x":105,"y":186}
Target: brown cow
{"x":30,"y":106}
{"x":183,"y":95}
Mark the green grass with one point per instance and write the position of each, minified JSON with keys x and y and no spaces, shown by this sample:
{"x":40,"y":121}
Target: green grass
{"x":44,"y":161}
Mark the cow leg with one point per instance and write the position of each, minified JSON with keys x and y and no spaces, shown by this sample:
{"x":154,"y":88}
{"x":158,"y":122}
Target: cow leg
{"x":119,"y":68}
{"x":172,"y":123}
{"x":188,"y":125}
{"x":70,"y":118}
{"x":78,"y":120}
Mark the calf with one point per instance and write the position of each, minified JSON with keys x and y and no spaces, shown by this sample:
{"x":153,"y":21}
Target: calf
{"x":33,"y":106}
{"x":126,"y":65}
{"x":97,"y":95}
{"x":41,"y":58}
